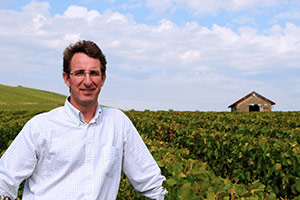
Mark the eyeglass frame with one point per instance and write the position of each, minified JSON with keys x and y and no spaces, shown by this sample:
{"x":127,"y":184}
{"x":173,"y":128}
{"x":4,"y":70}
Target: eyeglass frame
{"x":82,"y":73}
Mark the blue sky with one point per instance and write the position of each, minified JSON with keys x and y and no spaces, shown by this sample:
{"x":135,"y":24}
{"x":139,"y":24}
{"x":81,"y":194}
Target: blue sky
{"x":162,"y":54}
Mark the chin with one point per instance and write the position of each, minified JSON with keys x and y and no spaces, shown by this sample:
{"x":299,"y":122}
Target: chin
{"x":88,"y":100}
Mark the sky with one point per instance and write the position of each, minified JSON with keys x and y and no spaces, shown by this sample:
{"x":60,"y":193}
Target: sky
{"x":182,"y":55}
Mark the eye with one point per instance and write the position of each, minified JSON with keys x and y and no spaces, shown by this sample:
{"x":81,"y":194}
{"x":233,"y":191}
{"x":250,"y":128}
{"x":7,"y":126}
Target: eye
{"x":95,"y":73}
{"x":79,"y":73}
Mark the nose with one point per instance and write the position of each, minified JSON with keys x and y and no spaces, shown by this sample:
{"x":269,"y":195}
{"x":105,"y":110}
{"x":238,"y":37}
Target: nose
{"x":87,"y":79}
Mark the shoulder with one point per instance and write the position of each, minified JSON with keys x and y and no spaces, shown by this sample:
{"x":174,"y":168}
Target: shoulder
{"x":45,"y":117}
{"x":52,"y":113}
{"x":36,"y":127}
{"x":114,"y":114}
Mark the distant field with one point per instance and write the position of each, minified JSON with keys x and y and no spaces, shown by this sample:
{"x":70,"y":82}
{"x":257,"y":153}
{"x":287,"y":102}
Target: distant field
{"x":22,"y":98}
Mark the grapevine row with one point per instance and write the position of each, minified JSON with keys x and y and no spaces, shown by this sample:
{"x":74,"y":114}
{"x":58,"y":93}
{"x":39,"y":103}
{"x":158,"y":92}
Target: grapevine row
{"x":210,"y":155}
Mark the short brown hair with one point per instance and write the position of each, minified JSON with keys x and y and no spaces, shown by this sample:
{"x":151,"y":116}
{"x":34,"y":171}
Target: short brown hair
{"x":89,"y":48}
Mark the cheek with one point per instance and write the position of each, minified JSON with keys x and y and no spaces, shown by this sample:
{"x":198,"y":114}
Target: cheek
{"x":98,"y":83}
{"x":75,"y":83}
{"x":102,"y":82}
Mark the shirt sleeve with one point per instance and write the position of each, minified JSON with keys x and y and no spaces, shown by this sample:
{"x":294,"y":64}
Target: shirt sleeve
{"x":140,"y":167}
{"x":17,"y":163}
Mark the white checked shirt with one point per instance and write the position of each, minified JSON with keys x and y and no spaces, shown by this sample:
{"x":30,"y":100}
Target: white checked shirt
{"x":62,"y":157}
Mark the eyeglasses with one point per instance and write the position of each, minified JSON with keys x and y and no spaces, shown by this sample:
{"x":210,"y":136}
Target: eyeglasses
{"x":82,"y":73}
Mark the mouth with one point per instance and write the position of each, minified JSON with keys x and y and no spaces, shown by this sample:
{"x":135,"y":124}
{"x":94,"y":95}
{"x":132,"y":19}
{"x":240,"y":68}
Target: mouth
{"x":87,"y":90}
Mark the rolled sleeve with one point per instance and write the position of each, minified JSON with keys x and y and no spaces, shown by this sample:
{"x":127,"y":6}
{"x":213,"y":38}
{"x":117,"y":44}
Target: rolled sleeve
{"x":17,"y":163}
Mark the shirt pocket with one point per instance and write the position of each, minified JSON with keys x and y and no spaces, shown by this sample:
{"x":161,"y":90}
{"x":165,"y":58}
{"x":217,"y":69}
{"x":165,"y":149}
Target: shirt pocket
{"x":111,"y":160}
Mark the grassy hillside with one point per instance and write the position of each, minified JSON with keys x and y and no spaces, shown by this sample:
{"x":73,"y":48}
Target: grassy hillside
{"x":22,"y":98}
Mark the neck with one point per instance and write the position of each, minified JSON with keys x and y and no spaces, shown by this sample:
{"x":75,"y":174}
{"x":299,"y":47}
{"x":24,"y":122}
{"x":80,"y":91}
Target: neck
{"x":88,"y":111}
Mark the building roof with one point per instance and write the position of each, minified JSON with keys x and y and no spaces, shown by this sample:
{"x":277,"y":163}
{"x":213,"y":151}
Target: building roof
{"x":249,"y":95}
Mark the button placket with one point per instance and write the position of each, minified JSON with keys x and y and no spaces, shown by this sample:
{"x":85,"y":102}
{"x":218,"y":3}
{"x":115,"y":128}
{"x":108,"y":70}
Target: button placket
{"x":89,"y":158}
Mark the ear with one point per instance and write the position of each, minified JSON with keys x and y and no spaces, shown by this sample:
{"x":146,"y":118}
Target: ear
{"x":66,"y":79}
{"x":103,"y":79}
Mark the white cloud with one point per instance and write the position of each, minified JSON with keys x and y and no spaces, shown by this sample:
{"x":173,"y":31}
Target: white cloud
{"x":239,"y":5}
{"x":190,"y":56}
{"x":166,"y":25}
{"x":72,"y":37}
{"x":159,"y":6}
{"x":115,"y":16}
{"x":203,"y":7}
{"x":74,"y":12}
{"x":149,"y":66}
{"x":35,"y":7}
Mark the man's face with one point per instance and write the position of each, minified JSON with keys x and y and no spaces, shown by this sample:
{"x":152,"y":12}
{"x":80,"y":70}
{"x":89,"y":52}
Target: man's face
{"x":85,"y":80}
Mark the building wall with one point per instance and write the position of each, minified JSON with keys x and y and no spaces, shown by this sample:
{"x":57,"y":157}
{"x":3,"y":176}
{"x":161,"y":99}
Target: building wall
{"x":244,"y":105}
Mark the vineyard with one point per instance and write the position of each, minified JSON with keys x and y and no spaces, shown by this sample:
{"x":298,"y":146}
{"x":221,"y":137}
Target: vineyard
{"x":209,"y":155}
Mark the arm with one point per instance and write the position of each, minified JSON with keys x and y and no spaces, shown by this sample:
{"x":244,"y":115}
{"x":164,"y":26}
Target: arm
{"x":140,"y":167}
{"x":17,"y":163}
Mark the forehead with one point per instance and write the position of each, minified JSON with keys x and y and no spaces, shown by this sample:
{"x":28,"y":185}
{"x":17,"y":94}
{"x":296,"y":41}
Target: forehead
{"x":81,"y":61}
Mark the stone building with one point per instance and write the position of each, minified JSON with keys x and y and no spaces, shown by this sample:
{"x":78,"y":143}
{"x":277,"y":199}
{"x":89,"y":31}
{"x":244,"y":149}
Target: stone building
{"x":252,"y":102}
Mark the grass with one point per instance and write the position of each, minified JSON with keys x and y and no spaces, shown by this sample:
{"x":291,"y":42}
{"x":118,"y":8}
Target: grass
{"x":23,"y":98}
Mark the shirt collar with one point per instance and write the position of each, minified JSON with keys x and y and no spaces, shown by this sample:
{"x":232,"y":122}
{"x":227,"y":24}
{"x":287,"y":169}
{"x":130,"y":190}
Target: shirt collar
{"x":78,"y":115}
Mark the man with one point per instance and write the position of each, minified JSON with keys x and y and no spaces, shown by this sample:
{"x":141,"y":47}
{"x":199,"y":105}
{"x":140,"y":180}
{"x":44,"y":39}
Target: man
{"x":79,"y":151}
